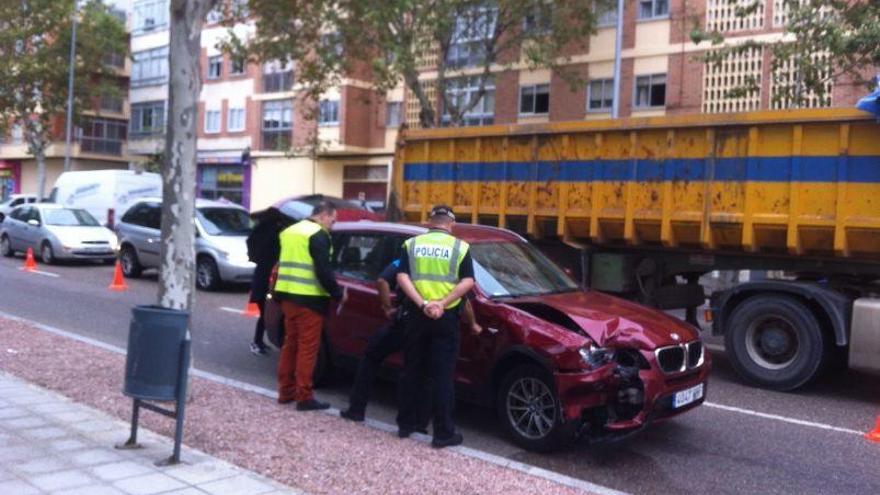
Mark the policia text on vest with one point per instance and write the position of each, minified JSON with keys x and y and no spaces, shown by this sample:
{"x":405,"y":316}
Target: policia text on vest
{"x":436,"y":272}
{"x":304,"y":287}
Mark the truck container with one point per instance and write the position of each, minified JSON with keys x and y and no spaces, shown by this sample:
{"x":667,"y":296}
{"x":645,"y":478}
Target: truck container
{"x":643,"y":207}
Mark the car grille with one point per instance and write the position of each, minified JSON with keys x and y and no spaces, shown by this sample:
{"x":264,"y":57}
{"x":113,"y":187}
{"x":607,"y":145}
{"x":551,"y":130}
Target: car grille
{"x":102,"y":243}
{"x":680,"y":358}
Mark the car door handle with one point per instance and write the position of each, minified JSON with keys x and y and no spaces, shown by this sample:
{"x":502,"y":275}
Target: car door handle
{"x":151,"y":240}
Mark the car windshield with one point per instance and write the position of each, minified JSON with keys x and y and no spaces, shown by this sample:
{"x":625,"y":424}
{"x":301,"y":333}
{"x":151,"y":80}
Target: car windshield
{"x":69,"y":217}
{"x":224,"y":221}
{"x":516,"y":269}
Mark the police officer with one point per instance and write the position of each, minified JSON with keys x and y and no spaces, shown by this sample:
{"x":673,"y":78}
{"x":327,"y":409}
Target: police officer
{"x":388,"y":340}
{"x":436,"y":271}
{"x":304,"y":286}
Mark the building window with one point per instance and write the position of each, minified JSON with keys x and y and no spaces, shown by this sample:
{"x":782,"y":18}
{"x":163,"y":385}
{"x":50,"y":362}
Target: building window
{"x":221,"y":182}
{"x":784,"y":84}
{"x":461,"y":91}
{"x":235,"y":121}
{"x":534,"y":99}
{"x":600,"y":95}
{"x":215,"y":67}
{"x":539,"y":19}
{"x":212,"y":121}
{"x":112,"y":102}
{"x":114,"y":59}
{"x":328,"y":112}
{"x":332,"y":43}
{"x":236,"y":66}
{"x":650,"y":9}
{"x":277,"y":77}
{"x":149,"y":15}
{"x":277,"y":128}
{"x":149,"y":67}
{"x":468,"y":43}
{"x":650,"y":91}
{"x":393,"y":113}
{"x":366,"y":184}
{"x":607,"y":16}
{"x":147,"y":119}
{"x":102,"y":136}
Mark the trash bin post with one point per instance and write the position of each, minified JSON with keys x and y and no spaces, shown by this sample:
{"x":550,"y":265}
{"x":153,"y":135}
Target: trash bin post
{"x":180,"y":408}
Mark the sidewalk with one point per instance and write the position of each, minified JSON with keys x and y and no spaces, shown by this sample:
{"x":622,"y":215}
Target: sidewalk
{"x":313,"y":452}
{"x":49,"y":444}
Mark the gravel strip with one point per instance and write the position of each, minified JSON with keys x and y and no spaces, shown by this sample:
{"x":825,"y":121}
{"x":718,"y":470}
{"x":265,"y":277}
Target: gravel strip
{"x":313,"y":452}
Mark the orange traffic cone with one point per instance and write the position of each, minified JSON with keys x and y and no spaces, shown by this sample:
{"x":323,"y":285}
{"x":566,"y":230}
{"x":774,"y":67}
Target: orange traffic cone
{"x":29,"y":264}
{"x":874,"y":435}
{"x":118,"y":281}
{"x":251,"y":309}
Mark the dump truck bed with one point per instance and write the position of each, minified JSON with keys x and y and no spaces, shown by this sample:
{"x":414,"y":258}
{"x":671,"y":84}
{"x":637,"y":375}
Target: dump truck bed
{"x":797,"y":182}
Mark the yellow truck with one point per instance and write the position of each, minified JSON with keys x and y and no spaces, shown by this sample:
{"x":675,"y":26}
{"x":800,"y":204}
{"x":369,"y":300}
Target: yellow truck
{"x":644,"y":207}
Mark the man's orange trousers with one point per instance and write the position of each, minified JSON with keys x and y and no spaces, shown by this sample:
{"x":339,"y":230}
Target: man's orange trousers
{"x":302,"y":339}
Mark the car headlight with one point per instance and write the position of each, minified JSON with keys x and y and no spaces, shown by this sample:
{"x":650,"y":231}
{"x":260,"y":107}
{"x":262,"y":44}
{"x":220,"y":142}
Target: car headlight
{"x":595,"y":356}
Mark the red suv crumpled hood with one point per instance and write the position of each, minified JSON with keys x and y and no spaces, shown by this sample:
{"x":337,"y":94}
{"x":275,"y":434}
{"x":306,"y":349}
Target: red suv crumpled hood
{"x":610,"y":320}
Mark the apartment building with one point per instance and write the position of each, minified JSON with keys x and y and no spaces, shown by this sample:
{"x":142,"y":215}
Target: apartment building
{"x":148,"y":89}
{"x":99,"y":139}
{"x":660,"y":72}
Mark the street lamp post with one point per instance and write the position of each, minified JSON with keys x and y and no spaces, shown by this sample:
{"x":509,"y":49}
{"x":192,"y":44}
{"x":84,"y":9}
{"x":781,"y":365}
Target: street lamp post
{"x":69,"y":124}
{"x":618,"y":45}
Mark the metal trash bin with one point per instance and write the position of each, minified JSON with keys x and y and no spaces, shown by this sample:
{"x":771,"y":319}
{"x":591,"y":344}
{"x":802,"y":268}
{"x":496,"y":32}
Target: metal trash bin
{"x":154,"y":358}
{"x":157,"y":368}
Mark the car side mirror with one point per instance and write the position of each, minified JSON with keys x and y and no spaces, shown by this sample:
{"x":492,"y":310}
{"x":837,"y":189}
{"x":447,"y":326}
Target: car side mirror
{"x":33,"y":223}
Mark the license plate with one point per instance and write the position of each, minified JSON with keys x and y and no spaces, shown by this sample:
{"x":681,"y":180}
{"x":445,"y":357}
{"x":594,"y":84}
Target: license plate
{"x":687,"y":396}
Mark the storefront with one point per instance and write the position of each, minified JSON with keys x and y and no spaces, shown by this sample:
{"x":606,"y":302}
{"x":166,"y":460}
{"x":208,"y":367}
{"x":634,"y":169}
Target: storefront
{"x":10,"y":178}
{"x":224,"y":178}
{"x":367,"y":184}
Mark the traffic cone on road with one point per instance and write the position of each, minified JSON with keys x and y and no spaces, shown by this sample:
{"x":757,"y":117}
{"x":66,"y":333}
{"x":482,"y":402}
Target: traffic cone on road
{"x":874,"y":435}
{"x":251,"y":309}
{"x":29,"y":264}
{"x":118,"y":281}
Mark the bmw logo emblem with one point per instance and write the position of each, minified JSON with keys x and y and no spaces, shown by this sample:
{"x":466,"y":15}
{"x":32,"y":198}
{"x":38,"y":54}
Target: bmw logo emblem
{"x":675,"y":337}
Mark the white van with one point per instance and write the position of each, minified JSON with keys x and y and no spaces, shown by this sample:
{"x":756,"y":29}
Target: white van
{"x":105,"y":193}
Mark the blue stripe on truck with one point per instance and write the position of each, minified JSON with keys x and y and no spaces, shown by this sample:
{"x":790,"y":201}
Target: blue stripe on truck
{"x":862,"y":169}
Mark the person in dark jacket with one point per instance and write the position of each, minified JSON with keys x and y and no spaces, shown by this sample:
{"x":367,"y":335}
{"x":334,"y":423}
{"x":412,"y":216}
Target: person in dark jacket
{"x":263,"y":249}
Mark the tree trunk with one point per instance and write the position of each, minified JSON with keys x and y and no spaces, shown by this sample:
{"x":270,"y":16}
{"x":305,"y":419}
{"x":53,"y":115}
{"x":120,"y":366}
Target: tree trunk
{"x":177,"y":259}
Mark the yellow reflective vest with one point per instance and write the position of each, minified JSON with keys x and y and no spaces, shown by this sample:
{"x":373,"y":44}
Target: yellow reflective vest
{"x":296,"y":268}
{"x":434,"y":260}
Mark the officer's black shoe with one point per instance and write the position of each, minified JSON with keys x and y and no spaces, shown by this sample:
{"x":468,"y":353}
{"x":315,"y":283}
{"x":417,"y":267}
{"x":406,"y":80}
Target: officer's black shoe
{"x":455,"y":439}
{"x":311,"y":405}
{"x":352,"y":415}
{"x":404,"y":432}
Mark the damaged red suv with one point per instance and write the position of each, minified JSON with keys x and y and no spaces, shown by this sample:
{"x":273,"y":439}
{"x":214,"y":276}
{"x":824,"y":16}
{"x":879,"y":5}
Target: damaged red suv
{"x":555,"y":360}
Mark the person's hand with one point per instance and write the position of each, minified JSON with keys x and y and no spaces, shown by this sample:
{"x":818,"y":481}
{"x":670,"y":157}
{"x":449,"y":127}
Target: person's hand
{"x":476,"y":328}
{"x":433,"y":310}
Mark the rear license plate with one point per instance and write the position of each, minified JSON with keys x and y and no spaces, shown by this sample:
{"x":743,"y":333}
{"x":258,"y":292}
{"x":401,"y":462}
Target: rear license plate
{"x":687,"y":396}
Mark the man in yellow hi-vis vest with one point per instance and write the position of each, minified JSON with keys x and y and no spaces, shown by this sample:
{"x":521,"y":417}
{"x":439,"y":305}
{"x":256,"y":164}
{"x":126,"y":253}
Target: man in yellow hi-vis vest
{"x":304,"y":286}
{"x":436,"y":271}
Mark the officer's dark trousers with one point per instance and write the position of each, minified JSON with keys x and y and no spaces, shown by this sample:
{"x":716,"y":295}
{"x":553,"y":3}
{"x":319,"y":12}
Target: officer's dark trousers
{"x":430,"y":350}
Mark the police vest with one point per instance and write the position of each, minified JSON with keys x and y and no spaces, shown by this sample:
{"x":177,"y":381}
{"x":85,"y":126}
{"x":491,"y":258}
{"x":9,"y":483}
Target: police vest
{"x":434,"y":260}
{"x":296,"y":268}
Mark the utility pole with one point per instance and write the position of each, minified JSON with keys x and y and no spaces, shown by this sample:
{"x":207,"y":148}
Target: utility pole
{"x":618,"y":46}
{"x":69,"y":124}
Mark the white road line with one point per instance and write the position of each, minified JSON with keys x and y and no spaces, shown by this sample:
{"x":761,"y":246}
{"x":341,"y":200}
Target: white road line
{"x":38,"y":272}
{"x":231,"y":310}
{"x":784,"y":419}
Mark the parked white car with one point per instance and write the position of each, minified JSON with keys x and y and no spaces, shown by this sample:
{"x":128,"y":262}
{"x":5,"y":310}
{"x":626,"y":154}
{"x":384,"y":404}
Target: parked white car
{"x":56,"y":233}
{"x":14,"y":200}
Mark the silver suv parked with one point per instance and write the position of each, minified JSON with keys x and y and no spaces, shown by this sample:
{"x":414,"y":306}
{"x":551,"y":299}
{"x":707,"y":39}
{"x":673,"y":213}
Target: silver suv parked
{"x":221,"y":250}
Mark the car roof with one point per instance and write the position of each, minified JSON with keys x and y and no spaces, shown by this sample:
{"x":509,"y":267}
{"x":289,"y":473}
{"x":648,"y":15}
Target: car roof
{"x":464,"y":231}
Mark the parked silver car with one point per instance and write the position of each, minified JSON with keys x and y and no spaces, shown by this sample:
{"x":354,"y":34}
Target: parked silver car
{"x":221,"y":248}
{"x":56,"y":233}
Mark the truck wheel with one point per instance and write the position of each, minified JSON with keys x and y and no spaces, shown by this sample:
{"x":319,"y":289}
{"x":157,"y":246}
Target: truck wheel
{"x":207,"y":275}
{"x":775,"y":342}
{"x":529,"y":409}
{"x":131,"y":266}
